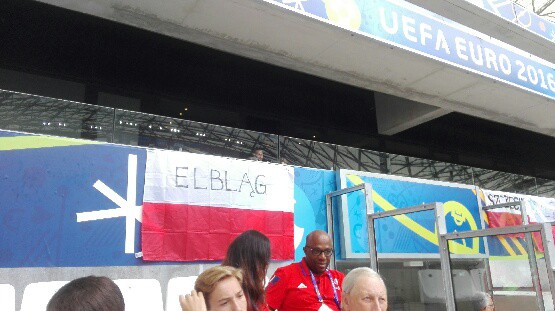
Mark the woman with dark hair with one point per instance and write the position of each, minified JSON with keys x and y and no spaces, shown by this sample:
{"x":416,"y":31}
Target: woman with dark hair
{"x":250,"y":252}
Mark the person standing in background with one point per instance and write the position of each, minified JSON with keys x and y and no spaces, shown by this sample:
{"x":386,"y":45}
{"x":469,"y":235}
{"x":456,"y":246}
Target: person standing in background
{"x":257,"y":155}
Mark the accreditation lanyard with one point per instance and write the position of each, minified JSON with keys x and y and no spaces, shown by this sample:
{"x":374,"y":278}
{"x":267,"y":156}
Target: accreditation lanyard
{"x":335,"y":297}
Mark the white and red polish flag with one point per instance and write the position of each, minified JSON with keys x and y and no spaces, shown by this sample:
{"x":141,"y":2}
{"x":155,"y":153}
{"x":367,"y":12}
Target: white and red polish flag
{"x":195,"y":205}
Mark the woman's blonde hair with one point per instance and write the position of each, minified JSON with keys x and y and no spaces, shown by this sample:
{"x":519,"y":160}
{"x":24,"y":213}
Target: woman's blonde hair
{"x":206,"y":281}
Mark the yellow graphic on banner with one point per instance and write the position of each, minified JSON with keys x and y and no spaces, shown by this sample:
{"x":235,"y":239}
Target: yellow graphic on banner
{"x":33,"y":142}
{"x":344,"y":13}
{"x":518,"y":245}
{"x":458,"y":211}
{"x":460,"y":215}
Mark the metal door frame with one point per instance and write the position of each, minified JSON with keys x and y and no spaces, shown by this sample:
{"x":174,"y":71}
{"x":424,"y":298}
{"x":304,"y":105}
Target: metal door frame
{"x":529,"y":249}
{"x":441,"y":228}
{"x":366,"y":187}
{"x":547,"y":241}
{"x":444,"y":238}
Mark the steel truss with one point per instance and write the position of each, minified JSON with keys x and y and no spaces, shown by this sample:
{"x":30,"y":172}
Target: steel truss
{"x":43,"y":115}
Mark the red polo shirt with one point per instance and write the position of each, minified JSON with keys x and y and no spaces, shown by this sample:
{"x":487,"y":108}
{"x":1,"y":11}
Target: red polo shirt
{"x":291,"y":288}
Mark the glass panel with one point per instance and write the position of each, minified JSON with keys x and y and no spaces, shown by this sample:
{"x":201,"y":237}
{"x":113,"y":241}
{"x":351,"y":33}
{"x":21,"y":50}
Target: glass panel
{"x":147,"y":130}
{"x":44,"y":115}
{"x":347,"y":158}
{"x":404,"y":261}
{"x":511,"y":276}
{"x":307,"y":153}
{"x":400,"y":165}
{"x":522,"y":184}
{"x":430,"y":169}
{"x":371,"y":161}
{"x":453,"y":173}
{"x":545,"y":187}
{"x":492,"y":180}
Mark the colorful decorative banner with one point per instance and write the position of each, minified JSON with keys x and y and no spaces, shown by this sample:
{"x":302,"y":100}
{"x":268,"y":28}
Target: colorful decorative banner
{"x":195,"y":205}
{"x":73,"y":203}
{"x":414,"y":233}
{"x":407,"y":26}
{"x":538,"y":210}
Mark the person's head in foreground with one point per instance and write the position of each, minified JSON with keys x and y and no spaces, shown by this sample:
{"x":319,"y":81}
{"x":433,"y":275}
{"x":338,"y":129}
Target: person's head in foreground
{"x":363,"y":289}
{"x":91,"y":293}
{"x":221,"y":286}
{"x":318,"y":250}
{"x":250,"y":252}
{"x":483,"y":302}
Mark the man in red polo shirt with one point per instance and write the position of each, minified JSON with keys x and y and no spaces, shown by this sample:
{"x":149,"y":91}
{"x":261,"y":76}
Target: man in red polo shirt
{"x":307,"y":285}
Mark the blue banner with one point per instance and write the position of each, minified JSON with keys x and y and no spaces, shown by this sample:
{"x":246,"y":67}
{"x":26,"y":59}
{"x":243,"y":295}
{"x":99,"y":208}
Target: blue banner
{"x":62,"y":199}
{"x":411,"y":233}
{"x":311,"y":187}
{"x":48,"y":182}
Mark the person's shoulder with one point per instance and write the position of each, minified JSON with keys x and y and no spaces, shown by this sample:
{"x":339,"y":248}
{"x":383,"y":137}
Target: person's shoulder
{"x":288,"y":268}
{"x":283,"y":274}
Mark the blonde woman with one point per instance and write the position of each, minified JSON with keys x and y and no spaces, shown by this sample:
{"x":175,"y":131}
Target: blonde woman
{"x":216,"y":289}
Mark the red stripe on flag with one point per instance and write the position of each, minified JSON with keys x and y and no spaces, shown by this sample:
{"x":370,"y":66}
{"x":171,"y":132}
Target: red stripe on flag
{"x":181,"y":232}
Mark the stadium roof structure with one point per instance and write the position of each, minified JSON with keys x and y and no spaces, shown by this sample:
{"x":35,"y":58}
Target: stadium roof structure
{"x":544,"y":8}
{"x":38,"y":114}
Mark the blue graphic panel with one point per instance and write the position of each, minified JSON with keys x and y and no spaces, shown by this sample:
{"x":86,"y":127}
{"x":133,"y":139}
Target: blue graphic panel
{"x":411,"y":233}
{"x":311,"y":187}
{"x":43,"y":189}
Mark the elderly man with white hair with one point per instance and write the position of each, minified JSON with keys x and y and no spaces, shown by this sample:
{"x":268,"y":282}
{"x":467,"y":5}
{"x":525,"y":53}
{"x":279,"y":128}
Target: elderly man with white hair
{"x":363,"y":290}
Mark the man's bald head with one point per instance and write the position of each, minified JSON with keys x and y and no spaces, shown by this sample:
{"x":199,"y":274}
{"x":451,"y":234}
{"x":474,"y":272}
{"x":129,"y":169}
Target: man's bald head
{"x":318,"y":250}
{"x":317,"y":235}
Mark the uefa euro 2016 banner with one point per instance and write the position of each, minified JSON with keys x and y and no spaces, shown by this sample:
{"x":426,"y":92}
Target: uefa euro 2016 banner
{"x":414,"y":233}
{"x":405,"y":25}
{"x":194,"y":205}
